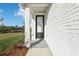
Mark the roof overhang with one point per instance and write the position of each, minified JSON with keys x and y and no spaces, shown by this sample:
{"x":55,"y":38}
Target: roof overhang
{"x":36,"y":7}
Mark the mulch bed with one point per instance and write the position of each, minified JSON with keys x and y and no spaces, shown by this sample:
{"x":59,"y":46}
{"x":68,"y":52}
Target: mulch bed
{"x":18,"y":51}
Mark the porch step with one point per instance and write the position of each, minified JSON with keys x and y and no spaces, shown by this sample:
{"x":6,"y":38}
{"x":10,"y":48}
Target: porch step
{"x":39,"y":52}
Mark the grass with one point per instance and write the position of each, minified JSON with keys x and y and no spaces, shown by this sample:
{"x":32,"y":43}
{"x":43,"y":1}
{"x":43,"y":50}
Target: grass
{"x":10,"y":40}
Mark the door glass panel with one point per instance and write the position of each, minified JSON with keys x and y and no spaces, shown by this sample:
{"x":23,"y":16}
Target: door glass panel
{"x":39,"y":24}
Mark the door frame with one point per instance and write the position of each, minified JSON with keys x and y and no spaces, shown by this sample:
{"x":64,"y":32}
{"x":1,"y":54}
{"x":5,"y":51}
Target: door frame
{"x":36,"y":25}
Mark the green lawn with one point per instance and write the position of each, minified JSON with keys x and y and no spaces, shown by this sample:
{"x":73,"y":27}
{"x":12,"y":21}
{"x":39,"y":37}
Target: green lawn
{"x":10,"y":40}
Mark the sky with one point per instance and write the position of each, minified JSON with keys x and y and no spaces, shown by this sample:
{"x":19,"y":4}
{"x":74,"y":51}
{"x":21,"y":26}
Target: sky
{"x":11,"y":13}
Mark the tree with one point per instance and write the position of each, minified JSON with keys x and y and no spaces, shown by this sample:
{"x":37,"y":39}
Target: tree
{"x":1,"y":21}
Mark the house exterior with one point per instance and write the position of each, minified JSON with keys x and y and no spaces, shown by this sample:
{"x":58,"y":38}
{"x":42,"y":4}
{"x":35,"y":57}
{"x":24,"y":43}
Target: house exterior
{"x":59,"y":26}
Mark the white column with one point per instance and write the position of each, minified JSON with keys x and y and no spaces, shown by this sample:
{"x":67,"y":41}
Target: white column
{"x":27,"y":27}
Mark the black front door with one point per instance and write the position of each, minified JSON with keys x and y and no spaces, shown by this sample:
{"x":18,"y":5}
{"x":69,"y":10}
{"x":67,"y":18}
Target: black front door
{"x":39,"y":26}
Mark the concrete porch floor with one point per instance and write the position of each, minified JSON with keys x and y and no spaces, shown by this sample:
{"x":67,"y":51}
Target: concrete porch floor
{"x":39,"y":49}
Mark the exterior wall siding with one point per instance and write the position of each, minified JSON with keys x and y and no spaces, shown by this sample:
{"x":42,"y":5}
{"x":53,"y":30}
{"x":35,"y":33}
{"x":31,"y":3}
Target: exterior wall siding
{"x":62,"y":29}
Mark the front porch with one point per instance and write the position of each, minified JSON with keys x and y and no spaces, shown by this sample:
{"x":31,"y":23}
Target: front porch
{"x":34,"y":29}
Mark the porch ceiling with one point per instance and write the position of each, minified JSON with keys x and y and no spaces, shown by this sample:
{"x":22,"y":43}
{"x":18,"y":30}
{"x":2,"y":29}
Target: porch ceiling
{"x":39,"y":8}
{"x":35,"y":7}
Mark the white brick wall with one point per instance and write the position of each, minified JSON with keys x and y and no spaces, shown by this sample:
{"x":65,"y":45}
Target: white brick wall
{"x":62,"y":29}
